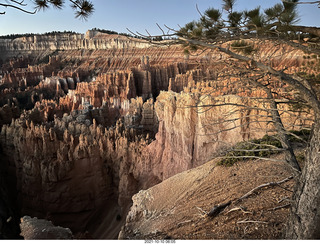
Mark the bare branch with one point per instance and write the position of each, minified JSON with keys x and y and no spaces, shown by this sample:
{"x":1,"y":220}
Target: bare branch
{"x":83,"y":8}
{"x":294,"y":81}
{"x":248,"y":194}
{"x":251,"y":221}
{"x":258,"y":150}
{"x":217,"y":209}
{"x":16,"y":7}
{"x":253,"y":157}
{"x":202,"y":211}
{"x":313,"y":2}
{"x":163,"y":33}
{"x":20,"y":3}
{"x":243,"y":209}
{"x":279,"y":207}
{"x":199,"y":10}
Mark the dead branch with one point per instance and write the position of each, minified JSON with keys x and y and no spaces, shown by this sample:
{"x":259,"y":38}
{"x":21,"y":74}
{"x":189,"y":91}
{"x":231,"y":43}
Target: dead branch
{"x":228,"y":104}
{"x":161,"y":29}
{"x":279,"y":207}
{"x":253,"y":157}
{"x":204,"y":213}
{"x":256,"y":150}
{"x":284,"y":188}
{"x":184,"y":222}
{"x":217,"y":209}
{"x":283,"y":199}
{"x":296,"y":136}
{"x":313,"y":2}
{"x":199,"y":10}
{"x":263,"y":186}
{"x":243,"y":209}
{"x":265,"y":145}
{"x":251,"y":221}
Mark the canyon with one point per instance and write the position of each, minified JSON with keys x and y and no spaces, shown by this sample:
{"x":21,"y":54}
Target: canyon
{"x":89,"y":120}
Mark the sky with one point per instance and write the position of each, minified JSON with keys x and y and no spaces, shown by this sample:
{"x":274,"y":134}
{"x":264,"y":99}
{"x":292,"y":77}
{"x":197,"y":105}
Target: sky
{"x":137,"y":15}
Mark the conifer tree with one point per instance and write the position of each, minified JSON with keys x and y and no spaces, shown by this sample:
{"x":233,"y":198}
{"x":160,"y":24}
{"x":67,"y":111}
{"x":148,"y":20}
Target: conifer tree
{"x":82,"y":8}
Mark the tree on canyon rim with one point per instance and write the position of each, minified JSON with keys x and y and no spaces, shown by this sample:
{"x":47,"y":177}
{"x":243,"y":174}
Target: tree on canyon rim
{"x":82,"y":8}
{"x":214,"y":30}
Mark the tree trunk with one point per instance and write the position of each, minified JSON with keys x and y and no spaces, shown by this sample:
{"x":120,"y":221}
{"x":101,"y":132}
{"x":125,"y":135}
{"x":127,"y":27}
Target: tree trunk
{"x":304,"y":222}
{"x":282,"y":133}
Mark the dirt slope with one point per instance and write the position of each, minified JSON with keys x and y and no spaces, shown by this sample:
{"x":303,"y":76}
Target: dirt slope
{"x":171,"y":208}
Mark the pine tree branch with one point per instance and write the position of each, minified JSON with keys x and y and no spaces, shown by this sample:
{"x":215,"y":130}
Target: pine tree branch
{"x":16,"y":7}
{"x":313,"y":2}
{"x":294,"y":81}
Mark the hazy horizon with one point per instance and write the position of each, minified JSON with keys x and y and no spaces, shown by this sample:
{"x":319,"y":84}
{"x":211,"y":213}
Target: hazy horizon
{"x":136,"y":15}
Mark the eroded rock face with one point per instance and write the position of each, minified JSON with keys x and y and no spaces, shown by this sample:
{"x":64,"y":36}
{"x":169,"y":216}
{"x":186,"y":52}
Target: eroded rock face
{"x":189,"y":133}
{"x":41,"y":43}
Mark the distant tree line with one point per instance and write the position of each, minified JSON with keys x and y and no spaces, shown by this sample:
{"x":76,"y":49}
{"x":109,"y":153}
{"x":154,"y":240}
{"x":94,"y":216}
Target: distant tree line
{"x":111,"y":32}
{"x":51,"y":33}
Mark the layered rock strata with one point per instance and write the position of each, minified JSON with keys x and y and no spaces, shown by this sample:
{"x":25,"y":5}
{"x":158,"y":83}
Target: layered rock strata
{"x":76,"y":163}
{"x":43,"y":43}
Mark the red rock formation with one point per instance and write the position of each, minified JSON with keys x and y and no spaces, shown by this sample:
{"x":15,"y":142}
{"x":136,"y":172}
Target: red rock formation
{"x":116,"y":87}
{"x":71,"y":163}
{"x":189,"y":133}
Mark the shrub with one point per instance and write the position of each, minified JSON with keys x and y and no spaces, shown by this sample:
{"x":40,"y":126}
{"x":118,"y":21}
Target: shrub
{"x":268,"y":144}
{"x":243,"y":47}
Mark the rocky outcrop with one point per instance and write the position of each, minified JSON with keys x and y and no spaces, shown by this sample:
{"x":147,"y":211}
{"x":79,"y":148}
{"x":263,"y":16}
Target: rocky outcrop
{"x":40,"y":229}
{"x":175,"y":208}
